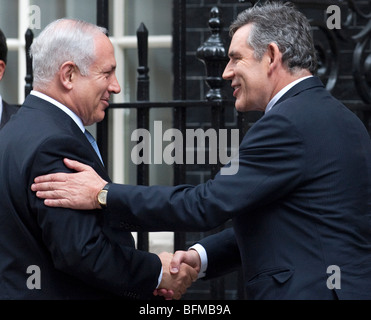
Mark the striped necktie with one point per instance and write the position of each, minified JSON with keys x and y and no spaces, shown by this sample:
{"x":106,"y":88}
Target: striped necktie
{"x":93,"y":143}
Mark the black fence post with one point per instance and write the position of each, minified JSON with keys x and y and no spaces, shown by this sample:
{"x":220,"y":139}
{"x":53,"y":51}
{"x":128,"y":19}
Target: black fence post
{"x":143,"y":115}
{"x":214,"y":55}
{"x":179,"y":93}
{"x":29,"y":76}
{"x":102,"y":127}
{"x":103,"y":13}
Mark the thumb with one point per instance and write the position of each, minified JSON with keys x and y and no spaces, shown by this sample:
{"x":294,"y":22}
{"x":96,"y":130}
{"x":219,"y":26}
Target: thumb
{"x":75,"y":165}
{"x":176,"y":261}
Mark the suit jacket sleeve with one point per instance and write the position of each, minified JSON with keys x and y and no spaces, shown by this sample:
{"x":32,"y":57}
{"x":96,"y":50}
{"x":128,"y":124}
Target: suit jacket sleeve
{"x":80,"y":243}
{"x":223,"y":254}
{"x":265,"y":173}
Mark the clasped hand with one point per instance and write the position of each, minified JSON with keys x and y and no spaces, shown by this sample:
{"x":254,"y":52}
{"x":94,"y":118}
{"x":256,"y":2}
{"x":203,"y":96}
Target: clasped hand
{"x":179,"y":272}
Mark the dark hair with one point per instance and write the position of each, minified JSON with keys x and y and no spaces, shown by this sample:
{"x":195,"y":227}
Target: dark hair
{"x":280,"y":23}
{"x":3,"y":47}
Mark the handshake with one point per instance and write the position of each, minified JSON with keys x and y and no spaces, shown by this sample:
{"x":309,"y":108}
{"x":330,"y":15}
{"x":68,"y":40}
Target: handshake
{"x":180,"y":270}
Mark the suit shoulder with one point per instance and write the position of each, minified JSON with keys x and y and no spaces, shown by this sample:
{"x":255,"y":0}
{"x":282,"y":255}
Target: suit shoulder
{"x":311,"y":102}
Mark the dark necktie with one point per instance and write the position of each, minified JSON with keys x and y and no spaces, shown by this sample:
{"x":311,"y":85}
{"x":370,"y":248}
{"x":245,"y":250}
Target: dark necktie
{"x":93,"y":143}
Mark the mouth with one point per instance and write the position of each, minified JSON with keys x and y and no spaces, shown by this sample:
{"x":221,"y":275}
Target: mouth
{"x":236,"y":89}
{"x":105,"y":101}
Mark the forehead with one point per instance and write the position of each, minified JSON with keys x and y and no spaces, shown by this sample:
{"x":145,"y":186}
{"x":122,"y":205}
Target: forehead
{"x":239,"y":39}
{"x":104,"y":50}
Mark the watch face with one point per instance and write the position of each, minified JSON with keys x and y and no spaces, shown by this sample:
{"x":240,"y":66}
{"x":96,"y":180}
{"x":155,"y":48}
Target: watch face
{"x":102,"y":197}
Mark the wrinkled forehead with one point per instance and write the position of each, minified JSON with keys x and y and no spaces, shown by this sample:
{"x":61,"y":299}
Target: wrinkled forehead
{"x":104,"y":52}
{"x":240,"y":39}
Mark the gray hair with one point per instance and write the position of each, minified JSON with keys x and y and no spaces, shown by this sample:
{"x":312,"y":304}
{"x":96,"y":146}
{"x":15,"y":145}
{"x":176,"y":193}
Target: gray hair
{"x":282,"y":24}
{"x":61,"y":41}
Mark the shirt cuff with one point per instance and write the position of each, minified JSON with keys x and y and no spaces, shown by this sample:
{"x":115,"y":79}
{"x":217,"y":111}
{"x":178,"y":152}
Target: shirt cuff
{"x":203,"y":256}
{"x":159,"y":278}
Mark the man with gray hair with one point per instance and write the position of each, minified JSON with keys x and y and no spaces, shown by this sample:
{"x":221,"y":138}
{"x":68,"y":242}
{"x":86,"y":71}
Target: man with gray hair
{"x":52,"y":253}
{"x":301,"y":201}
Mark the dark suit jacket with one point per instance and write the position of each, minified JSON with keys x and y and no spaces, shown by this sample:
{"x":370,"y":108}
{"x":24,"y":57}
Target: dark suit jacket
{"x":300,"y":202}
{"x":8,"y":111}
{"x":78,"y":255}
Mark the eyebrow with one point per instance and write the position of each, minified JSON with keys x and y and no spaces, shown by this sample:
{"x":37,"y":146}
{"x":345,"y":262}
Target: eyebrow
{"x":233,"y":54}
{"x":113,"y":68}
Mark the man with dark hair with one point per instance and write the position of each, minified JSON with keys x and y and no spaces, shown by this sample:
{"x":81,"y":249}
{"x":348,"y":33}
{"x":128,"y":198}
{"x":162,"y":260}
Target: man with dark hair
{"x":6,"y":110}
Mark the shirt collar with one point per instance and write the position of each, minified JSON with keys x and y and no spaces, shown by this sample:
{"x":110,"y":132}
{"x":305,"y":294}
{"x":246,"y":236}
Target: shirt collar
{"x":282,"y":92}
{"x":60,"y":106}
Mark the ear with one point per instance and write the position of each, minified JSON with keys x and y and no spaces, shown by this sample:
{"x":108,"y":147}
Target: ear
{"x":274,"y":57}
{"x":2,"y":69}
{"x":67,"y":74}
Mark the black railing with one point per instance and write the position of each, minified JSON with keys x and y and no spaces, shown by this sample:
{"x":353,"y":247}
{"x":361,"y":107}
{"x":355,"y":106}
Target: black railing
{"x":143,"y":115}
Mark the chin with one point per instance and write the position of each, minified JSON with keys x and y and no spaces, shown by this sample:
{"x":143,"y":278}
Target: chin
{"x":100,"y":119}
{"x":240,"y":108}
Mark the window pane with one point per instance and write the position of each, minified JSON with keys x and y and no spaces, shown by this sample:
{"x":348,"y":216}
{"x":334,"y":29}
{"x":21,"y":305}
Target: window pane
{"x":82,"y":9}
{"x":50,"y":11}
{"x":155,"y":14}
{"x":8,"y":23}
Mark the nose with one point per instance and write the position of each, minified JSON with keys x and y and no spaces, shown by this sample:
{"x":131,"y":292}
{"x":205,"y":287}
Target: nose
{"x":114,"y":86}
{"x":228,"y":72}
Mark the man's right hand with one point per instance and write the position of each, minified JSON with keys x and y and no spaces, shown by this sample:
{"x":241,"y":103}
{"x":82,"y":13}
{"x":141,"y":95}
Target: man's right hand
{"x":70,"y":190}
{"x":190,"y":257}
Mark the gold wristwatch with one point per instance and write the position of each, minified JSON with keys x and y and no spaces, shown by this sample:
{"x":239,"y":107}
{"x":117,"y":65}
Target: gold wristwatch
{"x":102,"y":196}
